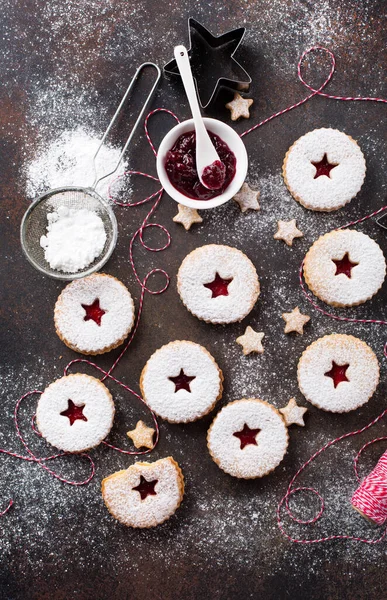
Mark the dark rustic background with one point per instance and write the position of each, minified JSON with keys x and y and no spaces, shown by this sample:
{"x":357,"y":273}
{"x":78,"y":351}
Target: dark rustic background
{"x":65,"y":64}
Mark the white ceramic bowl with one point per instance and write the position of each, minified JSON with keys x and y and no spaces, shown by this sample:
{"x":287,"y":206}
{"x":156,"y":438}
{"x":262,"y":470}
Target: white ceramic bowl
{"x":233,"y":141}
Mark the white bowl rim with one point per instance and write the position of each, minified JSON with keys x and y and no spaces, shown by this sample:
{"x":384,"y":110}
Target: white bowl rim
{"x":237,"y":146}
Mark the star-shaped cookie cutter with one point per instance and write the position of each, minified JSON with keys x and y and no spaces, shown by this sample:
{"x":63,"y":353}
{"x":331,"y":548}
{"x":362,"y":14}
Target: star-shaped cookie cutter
{"x":209,"y":54}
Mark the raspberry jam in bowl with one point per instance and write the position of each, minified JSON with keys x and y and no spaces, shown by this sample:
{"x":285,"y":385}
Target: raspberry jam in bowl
{"x":176,"y":165}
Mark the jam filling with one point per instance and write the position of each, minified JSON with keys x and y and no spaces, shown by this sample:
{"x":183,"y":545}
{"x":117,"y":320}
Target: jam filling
{"x":93,"y":312}
{"x":337,"y":373}
{"x":74,"y":412}
{"x":182,"y":381}
{"x":218,"y":287}
{"x":214,"y":175}
{"x":180,"y":165}
{"x":146,"y":488}
{"x":247,"y":436}
{"x":323,"y":167}
{"x":344,"y":265}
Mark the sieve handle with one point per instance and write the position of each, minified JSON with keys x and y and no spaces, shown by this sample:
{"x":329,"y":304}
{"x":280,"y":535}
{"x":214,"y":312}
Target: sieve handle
{"x":116,"y":115}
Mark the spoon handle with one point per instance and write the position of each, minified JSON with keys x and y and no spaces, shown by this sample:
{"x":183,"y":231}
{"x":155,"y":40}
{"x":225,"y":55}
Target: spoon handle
{"x":182,"y":60}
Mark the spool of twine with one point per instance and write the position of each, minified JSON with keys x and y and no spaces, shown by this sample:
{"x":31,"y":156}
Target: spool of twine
{"x":370,"y":499}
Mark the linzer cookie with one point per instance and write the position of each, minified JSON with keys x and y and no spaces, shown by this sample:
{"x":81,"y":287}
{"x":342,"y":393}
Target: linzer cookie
{"x":324,"y":169}
{"x":75,"y":413}
{"x":181,"y":382}
{"x":248,"y":438}
{"x":218,"y":284}
{"x":145,"y":494}
{"x":338,"y":373}
{"x":95,"y":314}
{"x":344,"y":268}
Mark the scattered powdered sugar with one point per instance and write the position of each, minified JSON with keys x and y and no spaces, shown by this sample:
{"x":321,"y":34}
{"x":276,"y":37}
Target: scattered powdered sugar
{"x":75,"y":237}
{"x":126,"y":504}
{"x":68,"y":161}
{"x":253,"y":460}
{"x":80,"y":435}
{"x":344,"y":180}
{"x":201,"y":267}
{"x":367,"y":274}
{"x":362,"y":373}
{"x":160,"y":393}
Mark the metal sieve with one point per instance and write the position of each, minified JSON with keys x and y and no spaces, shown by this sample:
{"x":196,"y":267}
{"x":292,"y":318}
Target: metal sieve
{"x":34,"y":221}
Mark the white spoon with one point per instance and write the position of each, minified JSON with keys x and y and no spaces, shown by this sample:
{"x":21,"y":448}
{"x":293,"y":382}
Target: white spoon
{"x":211,"y":170}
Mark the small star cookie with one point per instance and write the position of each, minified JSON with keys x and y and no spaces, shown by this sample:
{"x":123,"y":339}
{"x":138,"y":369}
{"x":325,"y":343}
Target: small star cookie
{"x":251,"y":341}
{"x":247,"y":198}
{"x":142,"y":435}
{"x":293,"y":414}
{"x":287,"y":231}
{"x":295,"y":321}
{"x":239,"y":107}
{"x":187,"y":216}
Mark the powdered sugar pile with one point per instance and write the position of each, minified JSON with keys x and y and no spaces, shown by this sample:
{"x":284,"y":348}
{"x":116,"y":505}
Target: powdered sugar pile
{"x":68,"y":161}
{"x":74,"y":239}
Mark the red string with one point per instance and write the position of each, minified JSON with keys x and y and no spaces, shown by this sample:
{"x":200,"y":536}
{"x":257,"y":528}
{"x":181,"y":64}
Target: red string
{"x":315,"y":92}
{"x":291,"y":491}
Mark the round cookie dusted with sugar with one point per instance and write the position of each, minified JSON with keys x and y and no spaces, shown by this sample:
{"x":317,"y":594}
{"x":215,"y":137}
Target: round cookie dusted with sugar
{"x":218,"y":284}
{"x":324,"y":169}
{"x":75,"y":413}
{"x":248,"y":438}
{"x":95,"y":314}
{"x":145,"y":494}
{"x":344,"y":268}
{"x":181,"y":382}
{"x":338,"y":373}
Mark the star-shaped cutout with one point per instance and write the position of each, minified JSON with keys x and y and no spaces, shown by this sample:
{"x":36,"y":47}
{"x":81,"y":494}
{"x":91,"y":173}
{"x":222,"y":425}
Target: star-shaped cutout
{"x":337,"y":373}
{"x":142,"y":435}
{"x":344,"y":265}
{"x":295,"y":321}
{"x":247,"y":198}
{"x":74,"y":412}
{"x":323,"y":167}
{"x":93,"y":312}
{"x":182,"y":381}
{"x":146,"y":488}
{"x":293,"y":414}
{"x":219,"y":286}
{"x":251,"y":341}
{"x":187,"y":216}
{"x":287,"y":231}
{"x":212,"y":62}
{"x":247,"y":436}
{"x":239,"y":107}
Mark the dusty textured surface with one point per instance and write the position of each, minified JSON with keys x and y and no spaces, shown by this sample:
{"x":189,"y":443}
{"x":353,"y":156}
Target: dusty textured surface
{"x":65,"y":65}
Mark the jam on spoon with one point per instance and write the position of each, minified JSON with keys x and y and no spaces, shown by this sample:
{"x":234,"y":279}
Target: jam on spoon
{"x":180,"y":165}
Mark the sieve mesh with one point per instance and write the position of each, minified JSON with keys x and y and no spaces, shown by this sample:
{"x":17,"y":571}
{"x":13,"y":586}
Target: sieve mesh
{"x":35,"y":222}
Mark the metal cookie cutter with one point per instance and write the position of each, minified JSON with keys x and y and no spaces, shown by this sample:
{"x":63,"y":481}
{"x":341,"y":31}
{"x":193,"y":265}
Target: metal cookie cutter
{"x":212,"y":62}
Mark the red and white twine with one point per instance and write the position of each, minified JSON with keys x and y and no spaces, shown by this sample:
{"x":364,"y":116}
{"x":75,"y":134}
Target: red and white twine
{"x":143,"y":283}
